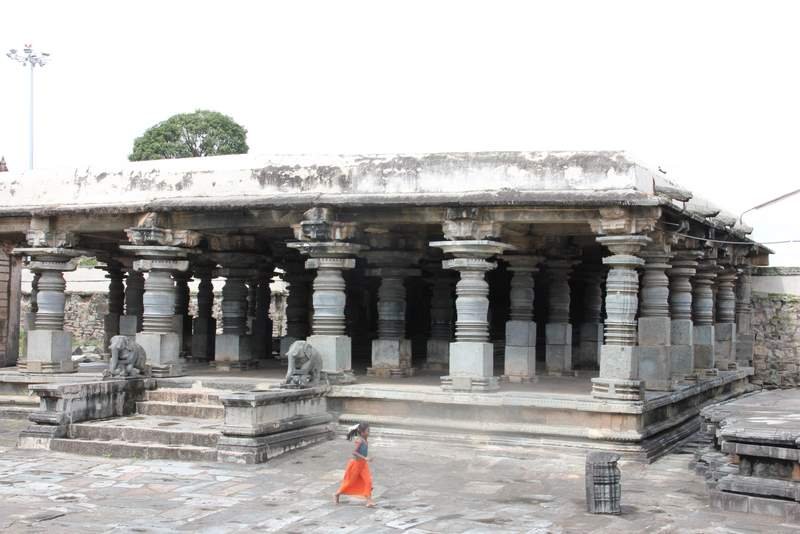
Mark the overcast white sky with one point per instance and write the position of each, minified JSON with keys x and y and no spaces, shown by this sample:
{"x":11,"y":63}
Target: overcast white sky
{"x":707,"y":90}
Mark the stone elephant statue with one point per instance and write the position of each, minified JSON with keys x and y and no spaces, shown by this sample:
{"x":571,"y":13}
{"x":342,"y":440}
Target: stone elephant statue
{"x":128,"y":358}
{"x":305,"y":365}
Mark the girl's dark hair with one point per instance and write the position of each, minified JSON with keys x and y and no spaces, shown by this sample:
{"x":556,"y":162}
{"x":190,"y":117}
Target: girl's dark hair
{"x":358,"y":429}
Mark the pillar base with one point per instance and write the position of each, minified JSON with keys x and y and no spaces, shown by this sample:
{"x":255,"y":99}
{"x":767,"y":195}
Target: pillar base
{"x":391,"y":357}
{"x":704,"y":350}
{"x":49,"y":351}
{"x":744,"y":349}
{"x":233,"y":351}
{"x":520,"y":364}
{"x":681,"y":348}
{"x":471,"y":367}
{"x":203,"y":339}
{"x":339,"y":379}
{"x":618,"y":389}
{"x":725,"y":344}
{"x":335,"y":352}
{"x":558,"y":349}
{"x":655,"y":368}
{"x":128,"y":325}
{"x":162,"y":352}
{"x":591,"y":340}
{"x":514,"y":379}
{"x":438,"y":355}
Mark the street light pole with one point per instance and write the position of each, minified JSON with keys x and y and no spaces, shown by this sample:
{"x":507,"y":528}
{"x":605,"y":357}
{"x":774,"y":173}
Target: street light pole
{"x":29,"y":58}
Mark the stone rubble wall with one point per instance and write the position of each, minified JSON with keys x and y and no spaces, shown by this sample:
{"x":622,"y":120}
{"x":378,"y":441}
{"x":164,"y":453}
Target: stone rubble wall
{"x":776,"y":325}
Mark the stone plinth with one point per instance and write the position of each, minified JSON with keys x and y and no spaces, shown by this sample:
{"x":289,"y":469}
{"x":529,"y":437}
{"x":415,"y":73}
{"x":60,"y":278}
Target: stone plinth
{"x":520,"y":357}
{"x":233,"y":351}
{"x":437,"y":355}
{"x":61,"y":405}
{"x":49,"y":351}
{"x":163,"y":353}
{"x":471,"y":367}
{"x":336,"y":352}
{"x":682,"y":348}
{"x":703,"y":317}
{"x":391,"y":358}
{"x":655,"y":353}
{"x":260,"y":425}
{"x":590,"y":343}
{"x":204,"y":331}
{"x":558,"y":354}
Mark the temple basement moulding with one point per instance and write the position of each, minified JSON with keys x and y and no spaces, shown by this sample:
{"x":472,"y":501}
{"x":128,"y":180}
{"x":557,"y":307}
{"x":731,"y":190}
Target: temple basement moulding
{"x":580,"y":288}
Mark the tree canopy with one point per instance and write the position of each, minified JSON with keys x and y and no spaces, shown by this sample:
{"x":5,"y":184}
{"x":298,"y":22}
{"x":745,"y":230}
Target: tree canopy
{"x":191,"y":135}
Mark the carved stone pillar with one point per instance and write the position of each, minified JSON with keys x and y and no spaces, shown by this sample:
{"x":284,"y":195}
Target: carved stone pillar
{"x":619,"y":359}
{"x":591,"y":329}
{"x":116,"y":302}
{"x":204,"y":326}
{"x":520,"y":351}
{"x":183,"y":321}
{"x":49,"y":345}
{"x":442,"y":298}
{"x":702,"y":317}
{"x":30,"y":316}
{"x":471,"y":354}
{"x":391,"y":352}
{"x":654,"y":328}
{"x":262,"y":324}
{"x":684,"y":267}
{"x":158,"y":337}
{"x":327,"y":243}
{"x":297,"y":327}
{"x":558,"y":331}
{"x":725,"y":326}
{"x":744,"y":318}
{"x":131,"y":322}
{"x":233,"y":348}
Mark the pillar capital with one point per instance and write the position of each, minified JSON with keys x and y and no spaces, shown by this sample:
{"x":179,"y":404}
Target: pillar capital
{"x":469,"y":223}
{"x":322,"y":225}
{"x":523,"y":263}
{"x":473,"y":248}
{"x":624,"y":245}
{"x":153,"y":229}
{"x":50,"y":258}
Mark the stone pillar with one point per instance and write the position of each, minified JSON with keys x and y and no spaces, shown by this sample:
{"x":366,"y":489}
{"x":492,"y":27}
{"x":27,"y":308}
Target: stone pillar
{"x":438,"y":346}
{"x":619,"y":363}
{"x":725,"y":326}
{"x":49,"y":345}
{"x":252,"y":289}
{"x":520,"y":350}
{"x":391,"y":351}
{"x":204,"y":326}
{"x":591,"y":328}
{"x":116,"y":303}
{"x":30,"y":316}
{"x":233,"y":349}
{"x":262,"y":324}
{"x":131,"y":322}
{"x":158,"y":337}
{"x":654,"y":328}
{"x":183,"y":320}
{"x":744,"y":318}
{"x":558,"y":331}
{"x":702,"y":317}
{"x":297,"y":327}
{"x":471,"y":354}
{"x":684,"y":267}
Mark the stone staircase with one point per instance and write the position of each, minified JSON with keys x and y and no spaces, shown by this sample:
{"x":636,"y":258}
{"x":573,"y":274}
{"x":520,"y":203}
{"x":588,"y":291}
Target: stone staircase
{"x":170,"y":424}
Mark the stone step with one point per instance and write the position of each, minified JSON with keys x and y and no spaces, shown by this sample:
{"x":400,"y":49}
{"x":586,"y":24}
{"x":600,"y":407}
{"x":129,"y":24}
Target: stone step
{"x":142,"y":450}
{"x":181,"y":409}
{"x":18,"y":406}
{"x":141,"y":429}
{"x":185,"y":395}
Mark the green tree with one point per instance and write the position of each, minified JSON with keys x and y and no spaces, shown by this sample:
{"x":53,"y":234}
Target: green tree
{"x":191,"y":135}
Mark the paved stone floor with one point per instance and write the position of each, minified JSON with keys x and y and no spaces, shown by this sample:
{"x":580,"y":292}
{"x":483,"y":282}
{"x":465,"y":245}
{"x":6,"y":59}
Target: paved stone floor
{"x":420,"y":488}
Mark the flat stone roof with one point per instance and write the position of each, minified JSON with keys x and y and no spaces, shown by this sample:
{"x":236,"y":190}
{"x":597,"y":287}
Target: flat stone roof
{"x":492,"y":178}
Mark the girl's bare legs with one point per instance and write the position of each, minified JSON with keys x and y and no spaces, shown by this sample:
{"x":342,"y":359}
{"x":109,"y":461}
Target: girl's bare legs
{"x":336,"y":497}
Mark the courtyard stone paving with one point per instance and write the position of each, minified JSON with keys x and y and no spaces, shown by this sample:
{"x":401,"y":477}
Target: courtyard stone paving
{"x":421,"y":487}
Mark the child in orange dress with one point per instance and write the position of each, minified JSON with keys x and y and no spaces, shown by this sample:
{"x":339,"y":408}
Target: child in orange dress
{"x":357,"y":478}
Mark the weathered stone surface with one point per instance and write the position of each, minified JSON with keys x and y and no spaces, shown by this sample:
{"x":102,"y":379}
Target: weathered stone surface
{"x":776,"y":327}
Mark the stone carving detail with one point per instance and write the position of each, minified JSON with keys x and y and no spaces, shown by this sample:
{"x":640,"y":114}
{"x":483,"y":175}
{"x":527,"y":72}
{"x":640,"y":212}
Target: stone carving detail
{"x":234,"y":302}
{"x":469,"y":223}
{"x":128,"y":358}
{"x":622,"y":288}
{"x":472,"y":298}
{"x":159,"y":303}
{"x":655,"y":284}
{"x":320,"y":224}
{"x":152,"y":230}
{"x":702,"y":294}
{"x":329,"y":295}
{"x":684,"y":267}
{"x":305,"y":365}
{"x":726,"y":299}
{"x":522,"y":286}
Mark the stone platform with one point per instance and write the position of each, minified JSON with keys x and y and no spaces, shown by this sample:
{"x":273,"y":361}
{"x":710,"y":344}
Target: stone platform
{"x":752,"y":463}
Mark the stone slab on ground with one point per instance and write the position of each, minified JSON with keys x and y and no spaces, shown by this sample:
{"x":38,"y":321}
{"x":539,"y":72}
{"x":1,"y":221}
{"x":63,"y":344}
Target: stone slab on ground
{"x":420,"y":489}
